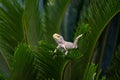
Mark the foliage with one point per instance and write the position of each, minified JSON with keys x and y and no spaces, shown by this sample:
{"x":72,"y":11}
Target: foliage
{"x":98,"y":15}
{"x":114,"y":70}
{"x":26,"y":44}
{"x":2,"y":77}
{"x":90,"y":73}
{"x":11,"y":31}
{"x":49,"y":67}
{"x":23,"y":67}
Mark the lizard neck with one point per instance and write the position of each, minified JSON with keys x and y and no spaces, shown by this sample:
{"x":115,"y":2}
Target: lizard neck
{"x":60,"y":41}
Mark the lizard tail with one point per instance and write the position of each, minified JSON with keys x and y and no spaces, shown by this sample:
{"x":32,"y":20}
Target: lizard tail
{"x":77,"y":38}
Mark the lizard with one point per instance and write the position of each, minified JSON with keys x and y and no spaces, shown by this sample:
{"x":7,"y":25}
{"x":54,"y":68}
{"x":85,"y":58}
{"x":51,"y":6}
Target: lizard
{"x":64,"y":45}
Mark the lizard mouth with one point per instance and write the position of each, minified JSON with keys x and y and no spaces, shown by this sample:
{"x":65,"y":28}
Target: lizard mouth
{"x":55,"y":36}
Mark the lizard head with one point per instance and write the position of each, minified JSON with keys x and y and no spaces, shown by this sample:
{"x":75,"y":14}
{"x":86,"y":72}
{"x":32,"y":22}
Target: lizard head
{"x":58,"y":38}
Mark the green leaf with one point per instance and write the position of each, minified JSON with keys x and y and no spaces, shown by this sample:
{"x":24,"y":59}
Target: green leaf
{"x":2,"y":77}
{"x":54,"y":14}
{"x":3,"y":66}
{"x":49,"y":67}
{"x":42,"y":24}
{"x":33,"y":23}
{"x":98,"y":16}
{"x":23,"y":68}
{"x":11,"y":32}
{"x":91,"y":74}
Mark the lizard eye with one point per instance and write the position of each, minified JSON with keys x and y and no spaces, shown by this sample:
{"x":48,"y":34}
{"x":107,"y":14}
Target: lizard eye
{"x":58,"y":35}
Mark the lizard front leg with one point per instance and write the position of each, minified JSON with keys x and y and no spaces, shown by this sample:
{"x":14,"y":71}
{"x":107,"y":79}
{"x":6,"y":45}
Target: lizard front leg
{"x":54,"y":53}
{"x":64,"y":49}
{"x":56,"y":49}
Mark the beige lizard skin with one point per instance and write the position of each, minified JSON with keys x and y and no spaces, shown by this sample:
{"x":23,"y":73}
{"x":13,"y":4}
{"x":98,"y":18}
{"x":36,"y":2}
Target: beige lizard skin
{"x":64,"y":45}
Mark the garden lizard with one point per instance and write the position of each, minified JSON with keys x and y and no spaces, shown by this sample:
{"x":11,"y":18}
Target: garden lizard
{"x":64,"y":45}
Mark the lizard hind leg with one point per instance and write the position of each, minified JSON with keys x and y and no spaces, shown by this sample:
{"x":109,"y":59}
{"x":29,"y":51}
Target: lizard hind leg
{"x":66,"y":52}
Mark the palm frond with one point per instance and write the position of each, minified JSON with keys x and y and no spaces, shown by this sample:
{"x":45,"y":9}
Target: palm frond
{"x":10,"y":30}
{"x":46,"y":21}
{"x":37,"y":64}
{"x":23,"y":68}
{"x":49,"y":68}
{"x":12,"y":33}
{"x":34,"y":28}
{"x":54,"y":14}
{"x":78,"y":54}
{"x":4,"y":69}
{"x":90,"y":73}
{"x":98,"y":15}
